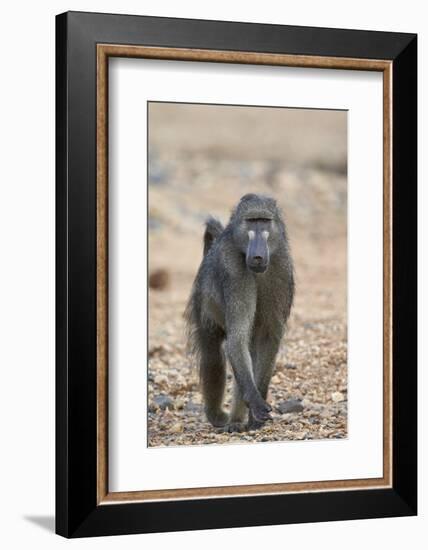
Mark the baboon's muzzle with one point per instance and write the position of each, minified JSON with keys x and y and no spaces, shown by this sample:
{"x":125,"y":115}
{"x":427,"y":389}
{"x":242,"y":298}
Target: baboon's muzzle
{"x":257,"y":257}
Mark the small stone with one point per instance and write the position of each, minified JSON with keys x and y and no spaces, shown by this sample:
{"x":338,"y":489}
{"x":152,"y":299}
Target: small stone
{"x":290,"y":406}
{"x":337,"y":397}
{"x":290,"y":366}
{"x":276,"y":379}
{"x":197,"y":398}
{"x":190,"y":406}
{"x":156,"y":350}
{"x":176,"y":428}
{"x":181,"y":381}
{"x":161,"y":380}
{"x":159,"y":279}
{"x":162,"y":402}
{"x":179,"y":403}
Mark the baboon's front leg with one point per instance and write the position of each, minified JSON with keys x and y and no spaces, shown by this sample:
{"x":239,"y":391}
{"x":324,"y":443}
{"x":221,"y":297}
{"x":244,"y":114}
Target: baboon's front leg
{"x":240,"y":301}
{"x":239,"y":412}
{"x":240,"y":359}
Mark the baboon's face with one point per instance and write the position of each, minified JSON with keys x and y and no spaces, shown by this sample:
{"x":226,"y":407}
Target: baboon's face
{"x":257,"y":230}
{"x":256,"y":236}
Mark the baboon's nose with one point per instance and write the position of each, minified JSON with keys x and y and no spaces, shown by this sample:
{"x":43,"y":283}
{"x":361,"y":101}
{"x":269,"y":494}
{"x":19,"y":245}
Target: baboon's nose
{"x":257,"y":259}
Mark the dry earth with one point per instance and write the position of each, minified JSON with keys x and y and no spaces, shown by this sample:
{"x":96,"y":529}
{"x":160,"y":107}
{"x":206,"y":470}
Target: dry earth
{"x":196,"y":170}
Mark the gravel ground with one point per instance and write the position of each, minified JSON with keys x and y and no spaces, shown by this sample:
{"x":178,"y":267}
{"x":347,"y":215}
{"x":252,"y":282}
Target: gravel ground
{"x":310,"y":379}
{"x":308,"y":393}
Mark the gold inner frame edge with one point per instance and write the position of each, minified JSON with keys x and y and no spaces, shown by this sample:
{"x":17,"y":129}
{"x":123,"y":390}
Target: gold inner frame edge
{"x":104,"y":51}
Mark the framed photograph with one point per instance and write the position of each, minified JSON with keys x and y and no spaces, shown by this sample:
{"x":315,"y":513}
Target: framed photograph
{"x":236,"y":274}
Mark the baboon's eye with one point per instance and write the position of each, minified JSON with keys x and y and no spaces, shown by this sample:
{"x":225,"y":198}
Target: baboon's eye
{"x":264,"y":220}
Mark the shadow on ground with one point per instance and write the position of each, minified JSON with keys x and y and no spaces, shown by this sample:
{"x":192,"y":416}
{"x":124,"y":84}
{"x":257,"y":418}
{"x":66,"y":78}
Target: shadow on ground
{"x":45,"y":522}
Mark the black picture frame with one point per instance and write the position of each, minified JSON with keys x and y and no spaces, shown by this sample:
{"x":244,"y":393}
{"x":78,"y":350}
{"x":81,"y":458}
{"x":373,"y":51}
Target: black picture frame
{"x":77,"y":511}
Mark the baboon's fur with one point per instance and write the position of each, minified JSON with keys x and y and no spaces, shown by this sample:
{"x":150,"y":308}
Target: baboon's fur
{"x":239,"y":305}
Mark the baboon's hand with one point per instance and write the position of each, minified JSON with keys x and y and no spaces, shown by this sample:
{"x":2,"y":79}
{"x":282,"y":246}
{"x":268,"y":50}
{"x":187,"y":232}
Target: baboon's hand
{"x":260,"y":411}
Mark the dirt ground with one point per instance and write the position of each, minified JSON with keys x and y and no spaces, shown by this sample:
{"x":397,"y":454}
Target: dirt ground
{"x":202,"y":160}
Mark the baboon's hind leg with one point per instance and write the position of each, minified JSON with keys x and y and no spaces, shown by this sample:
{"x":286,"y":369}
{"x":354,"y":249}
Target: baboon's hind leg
{"x":264,"y":365}
{"x":213,"y":376}
{"x":238,"y":414}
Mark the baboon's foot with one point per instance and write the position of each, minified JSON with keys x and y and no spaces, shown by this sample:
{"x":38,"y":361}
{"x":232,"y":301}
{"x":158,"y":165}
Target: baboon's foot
{"x":259,"y":411}
{"x":254,"y":424}
{"x":218,"y":418}
{"x":235,"y":427}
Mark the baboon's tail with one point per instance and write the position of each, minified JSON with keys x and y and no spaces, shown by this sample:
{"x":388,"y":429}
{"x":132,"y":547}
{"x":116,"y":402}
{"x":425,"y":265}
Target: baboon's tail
{"x":213,"y":229}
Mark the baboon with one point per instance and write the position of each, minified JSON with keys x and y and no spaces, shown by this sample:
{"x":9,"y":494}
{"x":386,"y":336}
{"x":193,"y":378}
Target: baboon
{"x":238,"y":308}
